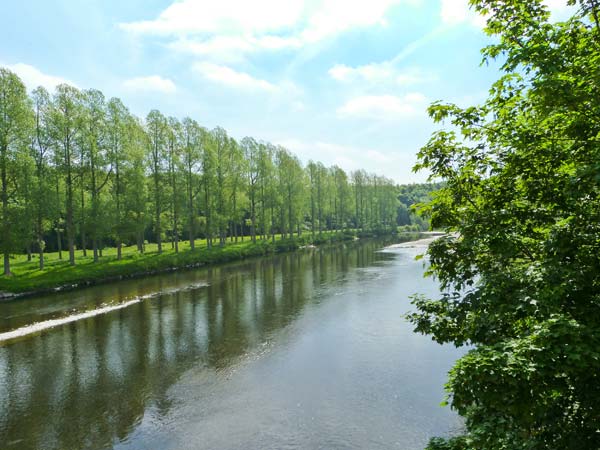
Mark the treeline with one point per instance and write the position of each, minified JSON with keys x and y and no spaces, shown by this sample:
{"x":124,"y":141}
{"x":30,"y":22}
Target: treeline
{"x":80,"y":171}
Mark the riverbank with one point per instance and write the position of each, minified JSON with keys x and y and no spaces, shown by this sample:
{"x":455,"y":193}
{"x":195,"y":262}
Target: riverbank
{"x":426,"y":238}
{"x":28,"y":280}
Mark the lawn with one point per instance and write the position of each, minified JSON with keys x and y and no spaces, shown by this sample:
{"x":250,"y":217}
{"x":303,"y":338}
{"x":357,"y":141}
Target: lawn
{"x":58,"y":273}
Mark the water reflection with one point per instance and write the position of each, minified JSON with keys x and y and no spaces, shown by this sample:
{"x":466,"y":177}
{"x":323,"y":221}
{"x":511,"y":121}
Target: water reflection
{"x":88,"y":384}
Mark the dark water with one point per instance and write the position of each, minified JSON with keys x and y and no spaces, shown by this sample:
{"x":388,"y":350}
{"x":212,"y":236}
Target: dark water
{"x":299,"y":351}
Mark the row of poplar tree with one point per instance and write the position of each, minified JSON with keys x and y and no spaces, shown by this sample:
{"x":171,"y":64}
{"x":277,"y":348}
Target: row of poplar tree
{"x":78,"y":170}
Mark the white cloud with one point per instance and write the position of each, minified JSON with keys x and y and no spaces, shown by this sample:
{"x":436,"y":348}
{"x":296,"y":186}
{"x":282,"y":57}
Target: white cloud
{"x":232,"y":48}
{"x":457,"y":12}
{"x":384,"y":72}
{"x":153,"y":83}
{"x":384,"y":107}
{"x":228,"y":28}
{"x":224,"y":16}
{"x":32,"y":77}
{"x":229,"y":77}
{"x":336,"y":16}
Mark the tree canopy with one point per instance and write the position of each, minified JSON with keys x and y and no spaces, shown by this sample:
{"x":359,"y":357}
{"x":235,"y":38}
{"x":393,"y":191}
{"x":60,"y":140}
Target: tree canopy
{"x":519,"y":267}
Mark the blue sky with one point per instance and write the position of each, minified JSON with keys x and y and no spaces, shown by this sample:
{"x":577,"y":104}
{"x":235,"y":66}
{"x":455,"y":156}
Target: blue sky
{"x":344,"y":82}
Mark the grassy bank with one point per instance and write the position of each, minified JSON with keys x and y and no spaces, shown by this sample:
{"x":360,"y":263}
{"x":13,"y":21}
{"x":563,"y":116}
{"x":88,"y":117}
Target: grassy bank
{"x":27,"y":278}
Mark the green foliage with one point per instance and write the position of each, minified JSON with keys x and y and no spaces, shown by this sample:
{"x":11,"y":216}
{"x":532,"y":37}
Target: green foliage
{"x":411,"y":196}
{"x":519,"y":267}
{"x":16,"y":121}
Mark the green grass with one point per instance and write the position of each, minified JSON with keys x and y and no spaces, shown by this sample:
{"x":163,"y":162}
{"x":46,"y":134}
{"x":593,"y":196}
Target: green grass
{"x":58,"y":273}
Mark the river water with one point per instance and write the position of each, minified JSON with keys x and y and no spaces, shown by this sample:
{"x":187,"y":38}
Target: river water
{"x":306,"y":350}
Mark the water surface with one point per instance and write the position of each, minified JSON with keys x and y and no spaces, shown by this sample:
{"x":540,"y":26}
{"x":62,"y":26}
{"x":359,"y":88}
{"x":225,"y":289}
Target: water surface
{"x":305,"y":350}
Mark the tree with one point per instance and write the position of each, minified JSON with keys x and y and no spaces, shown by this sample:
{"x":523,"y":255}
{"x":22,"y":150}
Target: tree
{"x":221,"y":148}
{"x":251,"y":153}
{"x":237,"y":169}
{"x":519,"y":266}
{"x":15,"y":126}
{"x":175,"y":143}
{"x":291,"y":182}
{"x":95,"y":148}
{"x":135,"y":192}
{"x":208,"y":182}
{"x":117,"y":131}
{"x":268,"y":189}
{"x":41,"y":152}
{"x":342,"y":197}
{"x":156,"y":125}
{"x":66,"y":126}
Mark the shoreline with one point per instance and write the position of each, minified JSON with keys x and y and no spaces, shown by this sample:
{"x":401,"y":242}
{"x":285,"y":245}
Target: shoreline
{"x":419,"y":243}
{"x":188,"y":260}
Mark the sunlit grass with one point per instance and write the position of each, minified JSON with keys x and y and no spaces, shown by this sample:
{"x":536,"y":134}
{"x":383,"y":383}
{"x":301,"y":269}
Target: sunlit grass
{"x":26,"y":275}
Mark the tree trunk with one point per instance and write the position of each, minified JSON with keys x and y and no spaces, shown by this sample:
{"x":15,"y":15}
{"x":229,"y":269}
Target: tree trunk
{"x":7,"y":264}
{"x":95,"y":246}
{"x":41,"y":251}
{"x":59,"y":243}
{"x":83,"y":236}
{"x":253,"y":219}
{"x":140,"y":242}
{"x":5,"y":220}
{"x":70,"y":224}
{"x":176,"y":238}
{"x":157,"y":208}
{"x":83,"y":241}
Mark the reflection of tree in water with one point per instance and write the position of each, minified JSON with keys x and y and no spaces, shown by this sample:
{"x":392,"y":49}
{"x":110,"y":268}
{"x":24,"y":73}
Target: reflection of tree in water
{"x":89,"y":383}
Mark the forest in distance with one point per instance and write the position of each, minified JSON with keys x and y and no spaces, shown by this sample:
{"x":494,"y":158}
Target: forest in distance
{"x":79,"y":171}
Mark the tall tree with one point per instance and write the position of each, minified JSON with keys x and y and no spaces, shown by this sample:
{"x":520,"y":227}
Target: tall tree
{"x":15,"y":128}
{"x":42,"y":155}
{"x":237,"y":168}
{"x":208,"y":183}
{"x":66,"y":118}
{"x":221,"y":147}
{"x":95,"y":147}
{"x":191,"y":158}
{"x":174,"y":145}
{"x":117,"y":131}
{"x":342,"y":196}
{"x":291,"y":179}
{"x":251,"y":153}
{"x":156,"y":125}
{"x":135,"y":192}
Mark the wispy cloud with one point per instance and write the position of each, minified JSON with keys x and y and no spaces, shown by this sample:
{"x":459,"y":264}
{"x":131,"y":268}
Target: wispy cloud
{"x":229,"y":29}
{"x":226,"y":16}
{"x":229,"y":77}
{"x":151,"y":83}
{"x":384,"y":72}
{"x":384,"y":107}
{"x":33,"y":77}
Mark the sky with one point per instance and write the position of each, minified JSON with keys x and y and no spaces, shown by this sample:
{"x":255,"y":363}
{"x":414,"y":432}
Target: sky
{"x":343,"y":82}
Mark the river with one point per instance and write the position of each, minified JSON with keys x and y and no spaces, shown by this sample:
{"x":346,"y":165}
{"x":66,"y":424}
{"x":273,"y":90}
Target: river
{"x":306,"y":350}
